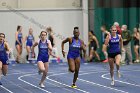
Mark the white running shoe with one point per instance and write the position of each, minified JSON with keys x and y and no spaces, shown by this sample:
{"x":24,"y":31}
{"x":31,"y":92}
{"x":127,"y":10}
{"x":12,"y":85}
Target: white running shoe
{"x":42,"y":85}
{"x":112,"y":83}
{"x":118,"y":74}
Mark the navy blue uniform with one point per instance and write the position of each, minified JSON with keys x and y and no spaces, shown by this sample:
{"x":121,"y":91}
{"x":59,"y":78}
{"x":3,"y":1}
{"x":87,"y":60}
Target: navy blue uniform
{"x":30,"y":40}
{"x":114,"y":46}
{"x":3,"y":54}
{"x":74,"y":49}
{"x":19,"y":38}
{"x":43,"y":51}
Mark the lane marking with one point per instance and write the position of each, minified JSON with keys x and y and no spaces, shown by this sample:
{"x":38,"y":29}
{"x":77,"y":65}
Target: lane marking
{"x":63,"y":83}
{"x":19,"y":78}
{"x":53,"y":84}
{"x":97,"y":84}
{"x":86,"y":82}
{"x":6,"y":89}
{"x":103,"y":76}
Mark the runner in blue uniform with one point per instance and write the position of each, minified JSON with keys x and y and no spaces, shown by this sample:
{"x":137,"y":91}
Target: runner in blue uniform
{"x":29,"y":42}
{"x":4,"y":49}
{"x":18,"y":43}
{"x":73,"y":57}
{"x":44,"y":47}
{"x":114,"y":54}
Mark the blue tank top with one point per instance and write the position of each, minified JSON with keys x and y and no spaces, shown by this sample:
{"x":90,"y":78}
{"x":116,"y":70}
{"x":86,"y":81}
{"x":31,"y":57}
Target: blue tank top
{"x":19,"y":37}
{"x":3,"y":53}
{"x":43,"y":49}
{"x":114,"y":44}
{"x":30,"y":39}
{"x":74,"y":48}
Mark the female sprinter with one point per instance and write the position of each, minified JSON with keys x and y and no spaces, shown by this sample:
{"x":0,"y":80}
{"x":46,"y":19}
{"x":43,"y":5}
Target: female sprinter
{"x":93,"y":44}
{"x":104,"y":47}
{"x":29,"y":42}
{"x":44,"y":46}
{"x":4,"y":49}
{"x":114,"y":54}
{"x":73,"y":57}
{"x":18,"y":43}
{"x":136,"y":37}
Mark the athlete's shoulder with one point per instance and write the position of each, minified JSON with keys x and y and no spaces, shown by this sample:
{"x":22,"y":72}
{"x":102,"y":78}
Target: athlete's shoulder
{"x":119,"y":36}
{"x":48,"y":41}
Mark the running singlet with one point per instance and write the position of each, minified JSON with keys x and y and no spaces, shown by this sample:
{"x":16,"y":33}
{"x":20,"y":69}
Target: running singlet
{"x":19,"y":38}
{"x":43,"y":51}
{"x":74,"y":49}
{"x":30,"y":39}
{"x":3,"y":54}
{"x":114,"y":45}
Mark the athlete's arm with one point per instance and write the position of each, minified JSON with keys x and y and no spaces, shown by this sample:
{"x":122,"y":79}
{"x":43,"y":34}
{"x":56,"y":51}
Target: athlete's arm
{"x":6,"y":46}
{"x":121,"y":43}
{"x":107,"y":40}
{"x":34,"y":45}
{"x":108,"y":33}
{"x":62,"y":45}
{"x":137,"y":36}
{"x":83,"y":46}
{"x":22,"y":39}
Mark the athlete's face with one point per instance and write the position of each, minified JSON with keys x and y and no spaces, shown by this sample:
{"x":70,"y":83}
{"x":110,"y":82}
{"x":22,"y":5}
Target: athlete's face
{"x":20,"y":29}
{"x":89,"y":34}
{"x":31,"y":31}
{"x":43,"y":35}
{"x":114,"y":30}
{"x":76,"y":33}
{"x":1,"y":37}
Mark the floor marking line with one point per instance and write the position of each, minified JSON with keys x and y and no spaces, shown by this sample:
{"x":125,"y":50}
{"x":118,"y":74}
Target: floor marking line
{"x":19,"y":78}
{"x":103,"y":76}
{"x":54,"y":85}
{"x":63,"y":83}
{"x":102,"y":85}
{"x":6,"y":89}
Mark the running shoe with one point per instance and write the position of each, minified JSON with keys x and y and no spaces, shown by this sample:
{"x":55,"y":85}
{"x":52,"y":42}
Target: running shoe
{"x":42,"y":85}
{"x":73,"y":86}
{"x":112,"y":83}
{"x":106,"y":60}
{"x":118,"y":74}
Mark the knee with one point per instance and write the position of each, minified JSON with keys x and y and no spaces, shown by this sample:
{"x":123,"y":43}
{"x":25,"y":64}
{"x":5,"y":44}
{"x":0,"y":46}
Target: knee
{"x":42,"y":69}
{"x":72,"y":70}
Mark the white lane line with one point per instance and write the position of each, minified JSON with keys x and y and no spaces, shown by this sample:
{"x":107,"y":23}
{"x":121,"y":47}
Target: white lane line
{"x":103,"y":76}
{"x":6,"y":89}
{"x":65,"y":84}
{"x":54,"y":84}
{"x":92,"y":72}
{"x":86,"y":82}
{"x":19,"y":78}
{"x":102,"y":86}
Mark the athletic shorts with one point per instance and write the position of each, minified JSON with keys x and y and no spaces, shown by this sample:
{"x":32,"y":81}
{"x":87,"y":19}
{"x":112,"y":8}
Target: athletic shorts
{"x":4,"y":61}
{"x":72,"y":56}
{"x":113,"y":55}
{"x":43,"y":59}
{"x":16,"y":43}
